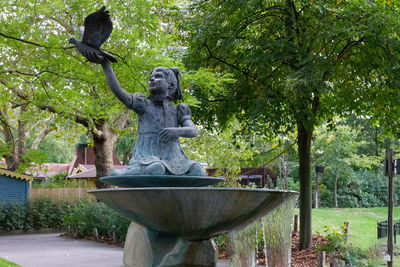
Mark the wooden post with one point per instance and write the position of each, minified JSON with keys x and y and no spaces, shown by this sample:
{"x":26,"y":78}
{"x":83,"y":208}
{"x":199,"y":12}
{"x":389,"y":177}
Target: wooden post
{"x":296,"y":223}
{"x":321,"y":259}
{"x":316,"y":190}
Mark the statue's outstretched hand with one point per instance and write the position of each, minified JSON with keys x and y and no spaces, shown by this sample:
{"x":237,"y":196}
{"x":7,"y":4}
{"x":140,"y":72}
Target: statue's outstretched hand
{"x":94,"y":56}
{"x":169,"y":134}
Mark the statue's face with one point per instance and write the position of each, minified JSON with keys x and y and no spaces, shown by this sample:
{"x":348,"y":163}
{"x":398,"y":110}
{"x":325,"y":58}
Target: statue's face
{"x":157,"y":83}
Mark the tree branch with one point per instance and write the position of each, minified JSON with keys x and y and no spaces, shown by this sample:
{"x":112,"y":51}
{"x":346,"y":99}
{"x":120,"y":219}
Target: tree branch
{"x":32,"y":43}
{"x":39,"y":139}
{"x":246,"y":73}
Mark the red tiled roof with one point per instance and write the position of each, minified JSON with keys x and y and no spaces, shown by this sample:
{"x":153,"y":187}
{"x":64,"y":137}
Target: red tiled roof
{"x":86,"y":156}
{"x":48,"y":169}
{"x":91,"y":171}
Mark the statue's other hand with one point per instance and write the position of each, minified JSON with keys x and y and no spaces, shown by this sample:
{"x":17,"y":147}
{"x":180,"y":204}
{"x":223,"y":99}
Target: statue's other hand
{"x":169,"y":134}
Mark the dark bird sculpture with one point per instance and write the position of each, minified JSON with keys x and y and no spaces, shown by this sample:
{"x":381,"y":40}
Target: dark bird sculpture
{"x":97,"y":28}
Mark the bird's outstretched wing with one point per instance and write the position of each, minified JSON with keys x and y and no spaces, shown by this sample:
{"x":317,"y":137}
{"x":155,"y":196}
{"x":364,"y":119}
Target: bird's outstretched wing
{"x":98,"y":27}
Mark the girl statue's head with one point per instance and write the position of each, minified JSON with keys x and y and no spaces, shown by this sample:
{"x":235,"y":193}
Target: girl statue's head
{"x":169,"y":78}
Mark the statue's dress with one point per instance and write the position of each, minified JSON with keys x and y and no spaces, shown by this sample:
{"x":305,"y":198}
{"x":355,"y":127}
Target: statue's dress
{"x":153,"y":117}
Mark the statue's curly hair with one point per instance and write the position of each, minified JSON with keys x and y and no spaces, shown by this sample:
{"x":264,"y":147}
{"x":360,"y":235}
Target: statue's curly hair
{"x":172,"y":76}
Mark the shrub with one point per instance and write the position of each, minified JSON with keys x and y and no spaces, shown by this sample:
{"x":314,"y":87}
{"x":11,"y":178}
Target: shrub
{"x":45,"y":213}
{"x":84,"y":216}
{"x":38,"y":214}
{"x":338,"y":248}
{"x":13,"y":217}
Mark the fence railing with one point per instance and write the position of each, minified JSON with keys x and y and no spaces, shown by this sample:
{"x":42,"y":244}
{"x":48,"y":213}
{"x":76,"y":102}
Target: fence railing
{"x":62,"y":194}
{"x":382,"y":229}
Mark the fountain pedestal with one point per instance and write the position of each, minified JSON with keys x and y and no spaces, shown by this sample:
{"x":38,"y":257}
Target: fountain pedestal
{"x":144,"y":247}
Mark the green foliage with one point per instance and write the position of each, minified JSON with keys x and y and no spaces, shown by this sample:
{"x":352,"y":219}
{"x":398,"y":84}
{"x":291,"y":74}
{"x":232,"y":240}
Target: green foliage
{"x":362,"y":222}
{"x":338,"y":248}
{"x":222,"y":150}
{"x":336,"y":239}
{"x":60,"y":180}
{"x":45,"y":213}
{"x":57,"y":148}
{"x":355,"y":171}
{"x":283,"y":55}
{"x":38,"y":214}
{"x":31,"y":159}
{"x":7,"y":263}
{"x":13,"y":217}
{"x":296,"y":64}
{"x":42,"y":70}
{"x":83,"y":217}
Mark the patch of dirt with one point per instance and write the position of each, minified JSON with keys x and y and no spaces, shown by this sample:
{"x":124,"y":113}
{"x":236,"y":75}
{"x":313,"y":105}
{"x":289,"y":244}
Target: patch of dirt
{"x":308,"y":257}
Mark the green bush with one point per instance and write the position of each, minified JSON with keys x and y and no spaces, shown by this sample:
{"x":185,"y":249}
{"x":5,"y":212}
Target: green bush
{"x":45,"y":213}
{"x":13,"y":217}
{"x":339,"y":250}
{"x":38,"y":214}
{"x":84,"y":216}
{"x":60,"y":180}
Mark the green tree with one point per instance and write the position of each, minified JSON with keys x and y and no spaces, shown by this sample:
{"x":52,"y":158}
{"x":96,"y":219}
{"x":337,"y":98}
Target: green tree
{"x":42,"y":69}
{"x":296,"y":63}
{"x":338,"y":149}
{"x":19,"y":124}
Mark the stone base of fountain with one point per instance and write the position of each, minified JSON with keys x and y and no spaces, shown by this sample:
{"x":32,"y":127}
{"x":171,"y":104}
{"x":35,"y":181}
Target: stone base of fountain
{"x":144,"y":247}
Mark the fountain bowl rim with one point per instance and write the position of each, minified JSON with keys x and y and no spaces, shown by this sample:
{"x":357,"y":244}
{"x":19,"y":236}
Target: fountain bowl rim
{"x":193,"y":189}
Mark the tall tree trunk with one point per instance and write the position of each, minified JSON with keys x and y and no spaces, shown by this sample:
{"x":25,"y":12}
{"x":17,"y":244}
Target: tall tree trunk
{"x":304,"y":150}
{"x":336,"y":196}
{"x":104,"y":140}
{"x":103,"y":145}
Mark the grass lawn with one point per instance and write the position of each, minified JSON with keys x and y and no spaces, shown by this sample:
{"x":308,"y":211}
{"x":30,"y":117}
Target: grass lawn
{"x":362,"y":221}
{"x":5,"y":263}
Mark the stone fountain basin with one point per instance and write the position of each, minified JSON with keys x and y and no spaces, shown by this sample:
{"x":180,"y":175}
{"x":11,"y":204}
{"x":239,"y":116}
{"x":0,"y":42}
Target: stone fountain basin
{"x":193,"y":213}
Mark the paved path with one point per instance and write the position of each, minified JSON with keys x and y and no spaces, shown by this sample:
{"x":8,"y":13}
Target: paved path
{"x":52,"y":250}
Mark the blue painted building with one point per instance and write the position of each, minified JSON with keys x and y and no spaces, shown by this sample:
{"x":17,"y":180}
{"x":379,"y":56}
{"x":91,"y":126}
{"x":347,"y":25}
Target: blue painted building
{"x":14,"y":187}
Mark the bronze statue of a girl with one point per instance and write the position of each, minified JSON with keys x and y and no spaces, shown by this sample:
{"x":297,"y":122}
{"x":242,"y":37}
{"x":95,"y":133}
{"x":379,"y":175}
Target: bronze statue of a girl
{"x":157,"y":150}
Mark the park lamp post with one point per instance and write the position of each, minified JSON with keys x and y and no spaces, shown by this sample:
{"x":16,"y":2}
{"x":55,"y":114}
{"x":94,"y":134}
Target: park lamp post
{"x":318,"y":169}
{"x":391,"y":167}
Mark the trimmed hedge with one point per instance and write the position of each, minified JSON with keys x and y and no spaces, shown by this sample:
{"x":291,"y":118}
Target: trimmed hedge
{"x":81,"y":218}
{"x":84,"y":216}
{"x":38,"y":214}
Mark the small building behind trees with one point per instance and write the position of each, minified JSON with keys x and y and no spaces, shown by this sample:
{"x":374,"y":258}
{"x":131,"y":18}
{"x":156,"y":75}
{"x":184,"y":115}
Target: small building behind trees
{"x":14,"y":187}
{"x":261,"y":177}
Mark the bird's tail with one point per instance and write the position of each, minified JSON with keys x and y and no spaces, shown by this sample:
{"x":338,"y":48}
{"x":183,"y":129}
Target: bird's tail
{"x":109,"y":57}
